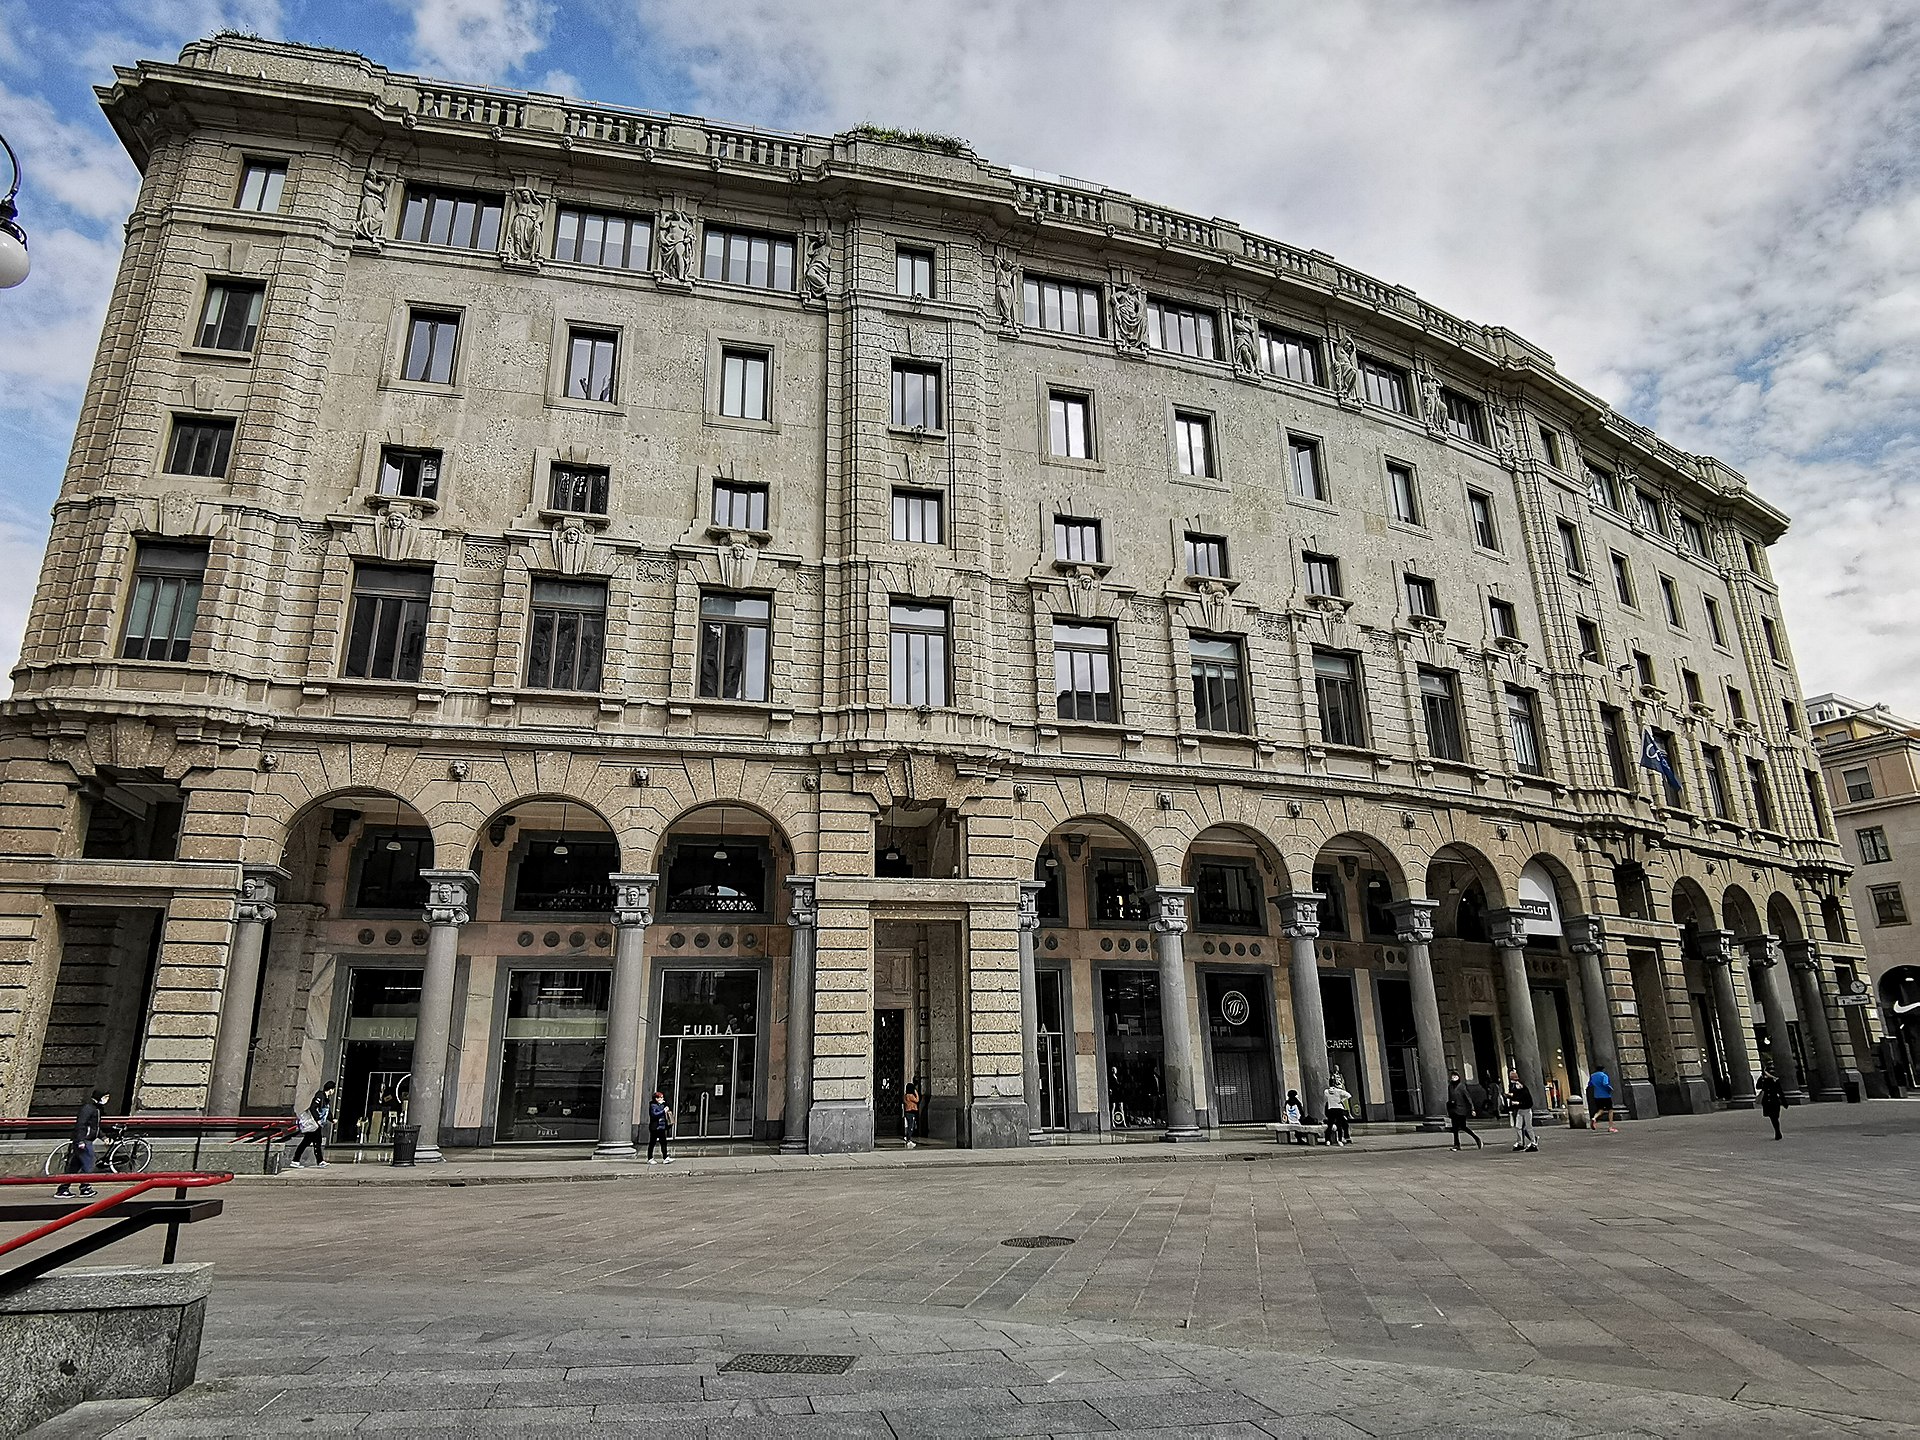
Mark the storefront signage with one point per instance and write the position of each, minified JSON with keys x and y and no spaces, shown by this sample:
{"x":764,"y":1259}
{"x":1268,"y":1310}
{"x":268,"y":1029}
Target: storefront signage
{"x":1536,"y":901}
{"x":726,"y":1029}
{"x":381,"y":1027}
{"x":1859,"y":1000}
{"x":1234,"y":1008}
{"x":539,"y":1028}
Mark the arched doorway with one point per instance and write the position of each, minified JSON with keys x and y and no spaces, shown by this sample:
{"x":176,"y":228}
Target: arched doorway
{"x":1230,"y":944}
{"x":1462,"y":884}
{"x":1365,"y":999}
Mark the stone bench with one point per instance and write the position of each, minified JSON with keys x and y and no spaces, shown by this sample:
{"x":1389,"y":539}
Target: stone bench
{"x":1305,"y":1133}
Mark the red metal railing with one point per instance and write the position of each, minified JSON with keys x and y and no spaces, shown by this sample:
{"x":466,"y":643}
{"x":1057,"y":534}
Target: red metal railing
{"x":123,"y":1205}
{"x":267,"y":1130}
{"x":180,"y":1181}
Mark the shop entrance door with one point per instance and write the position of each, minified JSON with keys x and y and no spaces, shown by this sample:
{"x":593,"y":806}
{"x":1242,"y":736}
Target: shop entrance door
{"x":1243,"y":1088}
{"x":889,"y":1071}
{"x":1136,"y":1089}
{"x":1402,"y":1044}
{"x":709,"y":1056}
{"x":1486,"y":1061}
{"x":1343,"y":1042}
{"x":1053,"y":1052}
{"x":376,"y":1054}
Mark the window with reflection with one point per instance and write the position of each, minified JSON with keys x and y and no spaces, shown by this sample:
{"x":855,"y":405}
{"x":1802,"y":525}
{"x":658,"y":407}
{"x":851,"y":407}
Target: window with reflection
{"x":1227,"y":895}
{"x":716,"y":875}
{"x":1119,"y":889}
{"x":564,"y":874}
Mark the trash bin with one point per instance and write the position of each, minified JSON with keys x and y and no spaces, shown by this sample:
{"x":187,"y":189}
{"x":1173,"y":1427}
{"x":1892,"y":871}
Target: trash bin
{"x":406,"y":1143}
{"x":1576,"y":1113}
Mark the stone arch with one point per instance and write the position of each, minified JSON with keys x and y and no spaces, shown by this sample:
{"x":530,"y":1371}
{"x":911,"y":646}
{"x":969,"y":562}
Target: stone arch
{"x":663,"y":794}
{"x":358,"y":817}
{"x":1692,"y":910}
{"x":300,"y":782}
{"x":1566,"y":886}
{"x":1465,"y":883}
{"x":1258,"y":818}
{"x":1272,"y":876}
{"x":1783,"y":917}
{"x":1738,"y":912}
{"x":751,"y":856}
{"x":1132,"y":810}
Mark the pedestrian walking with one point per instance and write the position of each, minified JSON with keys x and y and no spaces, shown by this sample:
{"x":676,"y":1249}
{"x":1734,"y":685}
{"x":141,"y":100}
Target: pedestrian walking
{"x":1773,"y":1097}
{"x":910,"y":1112}
{"x":1460,"y":1109}
{"x":1600,"y":1101}
{"x":313,"y":1128}
{"x":1339,"y":1120}
{"x":86,"y":1130}
{"x":1520,"y":1106}
{"x":659,"y":1126}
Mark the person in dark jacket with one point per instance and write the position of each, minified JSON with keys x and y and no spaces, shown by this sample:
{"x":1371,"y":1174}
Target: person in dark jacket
{"x":86,"y":1130}
{"x":1520,"y":1106}
{"x":1772,"y":1098}
{"x":319,"y":1110}
{"x":659,"y":1127}
{"x":1460,"y":1110}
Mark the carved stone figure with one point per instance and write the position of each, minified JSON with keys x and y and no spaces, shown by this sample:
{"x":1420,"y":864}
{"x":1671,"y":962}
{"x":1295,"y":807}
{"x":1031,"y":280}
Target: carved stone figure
{"x":1433,"y":404}
{"x":523,"y":231}
{"x":1346,"y":368}
{"x":1505,"y":445}
{"x":1246,"y":344}
{"x":1130,"y":317}
{"x":676,"y":248}
{"x":813,"y":275}
{"x":372,"y":222}
{"x":1006,"y":289}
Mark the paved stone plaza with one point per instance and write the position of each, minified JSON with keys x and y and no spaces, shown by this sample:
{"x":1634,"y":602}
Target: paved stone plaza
{"x":1685,"y":1276}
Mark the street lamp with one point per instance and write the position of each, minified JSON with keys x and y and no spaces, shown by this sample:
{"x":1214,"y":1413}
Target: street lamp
{"x":14,"y":260}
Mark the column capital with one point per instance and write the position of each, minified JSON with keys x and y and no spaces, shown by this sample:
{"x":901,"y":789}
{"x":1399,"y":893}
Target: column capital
{"x":1170,"y":909}
{"x":1412,"y":920}
{"x":803,"y":911}
{"x":1802,"y":954}
{"x":1030,"y":903}
{"x":633,"y":899}
{"x":1715,"y":947}
{"x":1300,"y":914}
{"x":450,"y":896}
{"x":1507,"y":929}
{"x":259,"y":888}
{"x":1762,"y":950}
{"x":1586,"y":934}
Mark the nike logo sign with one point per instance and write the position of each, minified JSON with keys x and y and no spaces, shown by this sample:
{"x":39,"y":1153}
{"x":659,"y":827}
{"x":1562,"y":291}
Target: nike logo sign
{"x":1900,"y":1009}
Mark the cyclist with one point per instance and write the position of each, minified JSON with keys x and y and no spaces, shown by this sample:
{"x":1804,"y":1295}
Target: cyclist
{"x":86,"y":1130}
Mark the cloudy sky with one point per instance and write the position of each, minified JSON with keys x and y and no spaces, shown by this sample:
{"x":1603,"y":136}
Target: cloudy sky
{"x":1708,"y":212}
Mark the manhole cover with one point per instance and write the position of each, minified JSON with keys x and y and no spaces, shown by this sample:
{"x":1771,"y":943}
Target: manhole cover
{"x":789,"y":1364}
{"x":1037,"y":1242}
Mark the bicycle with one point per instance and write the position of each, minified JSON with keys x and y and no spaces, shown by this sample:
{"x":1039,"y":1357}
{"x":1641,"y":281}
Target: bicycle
{"x":121,"y":1154}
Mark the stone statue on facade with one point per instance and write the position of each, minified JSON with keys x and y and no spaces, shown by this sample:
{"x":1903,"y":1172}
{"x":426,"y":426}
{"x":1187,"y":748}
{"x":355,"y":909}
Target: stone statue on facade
{"x":1129,"y":317}
{"x":1246,"y":344}
{"x":372,"y":221}
{"x":676,"y":248}
{"x":1006,"y":289}
{"x":1346,"y":369}
{"x":523,"y":230}
{"x":1433,"y":403}
{"x":1505,"y":444}
{"x":819,"y":265}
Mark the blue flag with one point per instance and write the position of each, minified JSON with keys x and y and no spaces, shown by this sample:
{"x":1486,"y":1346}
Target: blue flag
{"x":1653,"y":756}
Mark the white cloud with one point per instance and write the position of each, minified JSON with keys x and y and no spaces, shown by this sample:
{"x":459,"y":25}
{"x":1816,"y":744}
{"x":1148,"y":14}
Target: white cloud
{"x":478,"y":39}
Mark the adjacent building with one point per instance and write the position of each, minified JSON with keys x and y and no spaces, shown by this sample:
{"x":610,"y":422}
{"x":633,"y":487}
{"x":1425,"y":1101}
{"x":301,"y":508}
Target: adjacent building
{"x":552,"y":601}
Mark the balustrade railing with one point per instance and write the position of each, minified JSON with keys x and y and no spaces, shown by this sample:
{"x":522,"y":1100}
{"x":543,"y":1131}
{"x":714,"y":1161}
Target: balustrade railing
{"x":1056,"y":200}
{"x":1170,"y":226}
{"x":610,"y":127}
{"x":473,"y":106}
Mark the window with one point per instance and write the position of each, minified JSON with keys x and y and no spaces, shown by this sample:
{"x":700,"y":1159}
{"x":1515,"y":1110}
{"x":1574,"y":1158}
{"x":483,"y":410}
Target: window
{"x":1754,"y":562}
{"x":1119,"y":888}
{"x":1524,"y":726}
{"x":1384,"y":385}
{"x":1290,"y":355}
{"x":916,"y":397}
{"x":230,"y":320}
{"x":1816,"y":802}
{"x":1762,"y":794}
{"x":1690,"y":687}
{"x":737,"y":506}
{"x":200,"y":446}
{"x":715,"y":875}
{"x":414,"y":474}
{"x":1181,"y":329}
{"x":1309,"y":478}
{"x":1083,"y":671}
{"x":1643,"y":669}
{"x":387,"y":635}
{"x":1736,"y":703}
{"x":1480,"y":508}
{"x":1570,"y":552}
{"x":1440,"y":707}
{"x":1422,"y":598}
{"x":1693,"y":535}
{"x":1207,"y":556}
{"x":261,"y":184}
{"x":1323,"y":574}
{"x":1589,"y":640}
{"x":743,"y":384}
{"x":432,"y":338}
{"x":741,"y":257}
{"x":590,"y":364}
{"x":1770,"y":632}
{"x":1550,"y":447}
{"x":1859,"y":783}
{"x":1670,"y":597}
{"x":1873,"y":845}
{"x":1714,"y":626}
{"x":918,"y":639}
{"x":1336,"y":683}
{"x":1613,"y":724}
{"x":1603,"y":488}
{"x":1076,"y":540}
{"x":460,"y":218}
{"x":1402,"y":494}
{"x":917,"y":517}
{"x":1653,"y":514}
{"x":390,"y":865}
{"x":1716,"y":766}
{"x":602,"y":237}
{"x":167,"y":580}
{"x":1193,"y":444}
{"x":1465,"y":418}
{"x":579,"y":489}
{"x":1061,"y":305}
{"x":1789,"y":716}
{"x":1506,"y":623}
{"x":1069,"y":425}
{"x":1622,"y":578}
{"x":913,"y":271}
{"x":566,"y":637}
{"x":1227,"y":893}
{"x":735,"y":638}
{"x":1889,"y":906}
{"x":1217,"y":698}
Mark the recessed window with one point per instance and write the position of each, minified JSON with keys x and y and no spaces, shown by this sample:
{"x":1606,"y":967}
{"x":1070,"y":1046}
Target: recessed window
{"x":1716,"y":769}
{"x":1180,"y":329}
{"x":1061,"y":305}
{"x":602,"y":237}
{"x":1643,"y":668}
{"x":917,"y":517}
{"x":739,"y":506}
{"x":1653,"y":514}
{"x":200,"y":446}
{"x":1385,"y":385}
{"x":1323,"y":574}
{"x":261,"y":184}
{"x":1613,"y":725}
{"x":1403,"y":494}
{"x":1336,"y":684}
{"x":1466,"y":418}
{"x":1789,"y":716}
{"x":1309,"y":476}
{"x":913,"y":271}
{"x":167,"y":581}
{"x":917,"y":639}
{"x":1291,"y":355}
{"x":1218,"y":702}
{"x":1227,"y":895}
{"x":433,"y":336}
{"x":409,"y":472}
{"x":1755,"y":562}
{"x":735,"y":641}
{"x":1589,"y":640}
{"x":1816,"y":803}
{"x":1690,"y":687}
{"x":1193,"y":444}
{"x":1076,"y":540}
{"x":1504,"y":619}
{"x":1119,"y":885}
{"x":387,"y":634}
{"x":1874,"y":849}
{"x":1207,"y":556}
{"x":1423,"y":599}
{"x":743,"y":257}
{"x":1736,"y":703}
{"x":1440,"y":708}
{"x":1571,"y":555}
{"x":566,"y":635}
{"x":1889,"y":905}
{"x":916,"y":397}
{"x":1480,"y":508}
{"x":463,"y":219}
{"x":743,"y":384}
{"x":1693,"y":535}
{"x":1603,"y":488}
{"x":1770,"y":632}
{"x":1069,"y":425}
{"x":1762,"y":794}
{"x":1622,"y":578}
{"x":578,"y":489}
{"x":1550,"y":447}
{"x":1083,"y":671}
{"x":1523,"y":723}
{"x":1670,"y":598}
{"x":1715,"y":627}
{"x":1859,"y":783}
{"x":230,"y":320}
{"x":591,"y":357}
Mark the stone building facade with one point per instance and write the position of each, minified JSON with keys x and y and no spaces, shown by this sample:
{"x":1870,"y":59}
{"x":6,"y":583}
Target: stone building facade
{"x":551,"y":602}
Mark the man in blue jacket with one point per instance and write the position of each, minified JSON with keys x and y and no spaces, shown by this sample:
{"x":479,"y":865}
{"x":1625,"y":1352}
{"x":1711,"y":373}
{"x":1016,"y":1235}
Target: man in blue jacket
{"x":1600,"y":1100}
